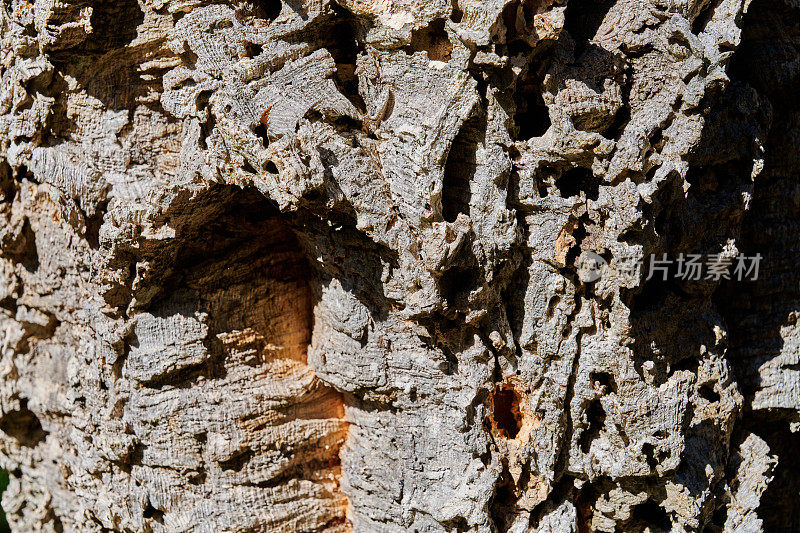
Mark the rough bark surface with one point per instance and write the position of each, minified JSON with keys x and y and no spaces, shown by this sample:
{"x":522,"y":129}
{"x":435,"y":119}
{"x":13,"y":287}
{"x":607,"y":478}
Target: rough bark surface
{"x":315,"y":265}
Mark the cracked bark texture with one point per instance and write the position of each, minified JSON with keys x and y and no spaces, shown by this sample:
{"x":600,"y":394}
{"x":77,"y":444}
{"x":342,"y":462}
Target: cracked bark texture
{"x":313,"y":265}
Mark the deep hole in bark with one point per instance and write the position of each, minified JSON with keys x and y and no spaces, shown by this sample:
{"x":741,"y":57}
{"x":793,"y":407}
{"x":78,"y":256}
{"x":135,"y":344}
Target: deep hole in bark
{"x":529,"y":10}
{"x":438,"y":340}
{"x":551,"y":306}
{"x":114,"y":24}
{"x":152,"y":512}
{"x":206,"y":129}
{"x":189,"y":59}
{"x":261,"y":132}
{"x":621,"y":119}
{"x":93,"y":224}
{"x":577,"y":180}
{"x":503,"y":502}
{"x":583,"y":18}
{"x":247,"y":167}
{"x":506,"y":414}
{"x":690,"y":364}
{"x":704,"y":17}
{"x":518,"y":48}
{"x":268,"y":9}
{"x":532,"y":118}
{"x":23,"y":425}
{"x":457,"y":524}
{"x":545,"y":180}
{"x":652,"y":514}
{"x":100,"y":64}
{"x":344,"y":41}
{"x":253,"y":49}
{"x":648,"y":450}
{"x":596,"y":416}
{"x":585,"y":504}
{"x":202,"y":98}
{"x":23,"y":250}
{"x":708,"y":393}
{"x":459,"y":169}
{"x":196,"y":478}
{"x":511,"y":37}
{"x":604,"y":379}
{"x":433,"y":40}
{"x":579,"y":233}
{"x":457,"y":14}
{"x":457,"y":281}
{"x":238,"y":461}
{"x":7,"y":188}
{"x":60,"y":123}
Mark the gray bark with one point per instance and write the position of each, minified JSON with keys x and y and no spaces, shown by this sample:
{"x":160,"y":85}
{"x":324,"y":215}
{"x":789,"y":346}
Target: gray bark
{"x":321,"y":265}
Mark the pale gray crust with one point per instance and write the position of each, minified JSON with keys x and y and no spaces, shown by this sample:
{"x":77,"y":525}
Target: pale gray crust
{"x":313,"y":265}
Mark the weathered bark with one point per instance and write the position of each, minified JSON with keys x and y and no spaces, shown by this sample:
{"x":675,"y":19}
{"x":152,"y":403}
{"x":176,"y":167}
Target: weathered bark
{"x":317,"y":265}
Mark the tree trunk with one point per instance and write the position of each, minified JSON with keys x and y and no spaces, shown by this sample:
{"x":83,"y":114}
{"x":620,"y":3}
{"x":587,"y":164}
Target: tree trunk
{"x":342,"y":265}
